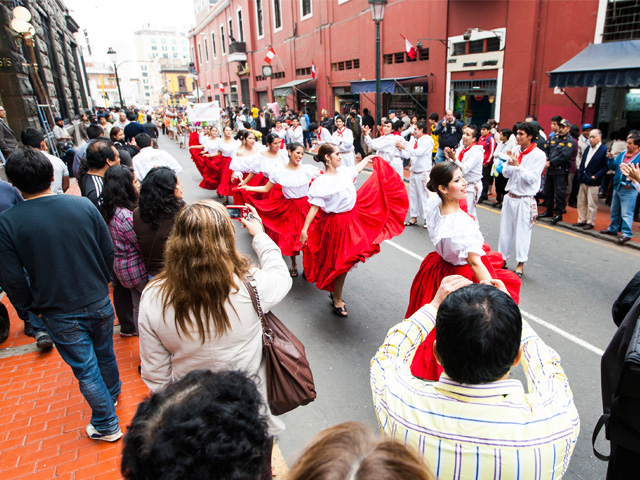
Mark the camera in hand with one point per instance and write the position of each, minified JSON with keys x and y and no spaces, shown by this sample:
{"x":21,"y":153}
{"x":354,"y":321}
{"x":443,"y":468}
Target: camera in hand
{"x":238,"y":211}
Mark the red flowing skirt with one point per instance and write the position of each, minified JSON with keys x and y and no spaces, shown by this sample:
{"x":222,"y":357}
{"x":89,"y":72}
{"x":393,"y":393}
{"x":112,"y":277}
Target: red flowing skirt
{"x":207,"y":166}
{"x":242,"y":197}
{"x":224,"y":185}
{"x":337,"y":241}
{"x":425,"y":285}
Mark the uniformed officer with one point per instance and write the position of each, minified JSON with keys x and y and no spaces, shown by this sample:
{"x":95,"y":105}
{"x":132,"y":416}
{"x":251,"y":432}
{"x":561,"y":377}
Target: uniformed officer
{"x":559,"y":150}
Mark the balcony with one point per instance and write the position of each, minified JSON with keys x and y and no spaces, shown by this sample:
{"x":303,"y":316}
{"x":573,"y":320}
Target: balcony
{"x":237,"y":52}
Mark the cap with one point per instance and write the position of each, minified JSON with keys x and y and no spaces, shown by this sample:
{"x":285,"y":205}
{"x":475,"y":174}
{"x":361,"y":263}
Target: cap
{"x":564,"y":123}
{"x":57,"y":119}
{"x":391,"y":111}
{"x":586,"y":126}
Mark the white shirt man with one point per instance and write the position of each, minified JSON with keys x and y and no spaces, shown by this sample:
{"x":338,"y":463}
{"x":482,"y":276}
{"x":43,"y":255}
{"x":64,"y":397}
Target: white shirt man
{"x":343,"y":138}
{"x":385,"y":145}
{"x":523,"y":171}
{"x":469,"y":158}
{"x":122,"y":121}
{"x":280,"y":131}
{"x":150,"y":157}
{"x":418,"y":151}
{"x":324,"y":135}
{"x":295,"y":132}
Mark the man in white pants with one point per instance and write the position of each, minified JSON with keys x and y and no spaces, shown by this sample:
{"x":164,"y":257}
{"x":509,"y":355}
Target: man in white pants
{"x":385,"y":145}
{"x":418,"y":151}
{"x":343,"y":138}
{"x":469,"y":158}
{"x":519,"y":210}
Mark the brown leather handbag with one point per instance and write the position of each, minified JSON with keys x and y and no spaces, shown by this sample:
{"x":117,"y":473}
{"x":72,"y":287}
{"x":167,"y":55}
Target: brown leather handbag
{"x":289,"y":378}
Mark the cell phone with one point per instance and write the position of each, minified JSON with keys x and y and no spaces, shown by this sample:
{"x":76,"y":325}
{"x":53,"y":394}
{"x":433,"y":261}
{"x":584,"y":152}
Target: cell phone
{"x":238,"y":211}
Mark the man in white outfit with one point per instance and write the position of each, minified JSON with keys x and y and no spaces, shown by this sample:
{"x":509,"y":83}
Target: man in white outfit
{"x":385,"y":145}
{"x":418,"y":151}
{"x":519,"y":210}
{"x":469,"y":158}
{"x":343,"y":138}
{"x":295,"y":133}
{"x":323,"y":135}
{"x":280,"y":131}
{"x":150,"y":157}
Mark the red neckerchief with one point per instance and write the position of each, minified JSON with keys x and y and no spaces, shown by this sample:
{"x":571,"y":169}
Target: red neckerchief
{"x":340,"y":132}
{"x":396,"y":133}
{"x":528,"y":150}
{"x":319,"y":131}
{"x":465,"y":150}
{"x":294,"y":128}
{"x":415,"y":145}
{"x":277,"y":129}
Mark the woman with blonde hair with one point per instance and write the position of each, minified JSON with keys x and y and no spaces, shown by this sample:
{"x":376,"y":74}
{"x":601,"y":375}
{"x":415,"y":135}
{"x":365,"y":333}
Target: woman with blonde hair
{"x":350,"y":451}
{"x":197,"y":313}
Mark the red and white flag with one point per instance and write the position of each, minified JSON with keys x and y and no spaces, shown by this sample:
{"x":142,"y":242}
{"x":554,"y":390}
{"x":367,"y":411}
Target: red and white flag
{"x":313,"y":71}
{"x":222,"y":88}
{"x":271,"y":53}
{"x":411,"y":52}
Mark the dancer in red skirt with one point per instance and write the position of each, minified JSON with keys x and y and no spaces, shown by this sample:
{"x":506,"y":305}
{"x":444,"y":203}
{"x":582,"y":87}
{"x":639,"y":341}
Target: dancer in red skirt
{"x":273,"y":158}
{"x":196,"y":149}
{"x":350,"y":225}
{"x":228,"y":147}
{"x":211,"y":155}
{"x":460,"y":249}
{"x":284,"y":213}
{"x":241,"y":164}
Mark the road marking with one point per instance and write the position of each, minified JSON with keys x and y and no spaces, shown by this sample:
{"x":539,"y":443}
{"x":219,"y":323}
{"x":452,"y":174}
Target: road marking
{"x":527,"y":315}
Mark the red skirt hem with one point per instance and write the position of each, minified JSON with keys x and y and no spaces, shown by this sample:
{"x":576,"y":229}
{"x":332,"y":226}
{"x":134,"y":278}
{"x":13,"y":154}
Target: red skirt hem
{"x":224,"y":185}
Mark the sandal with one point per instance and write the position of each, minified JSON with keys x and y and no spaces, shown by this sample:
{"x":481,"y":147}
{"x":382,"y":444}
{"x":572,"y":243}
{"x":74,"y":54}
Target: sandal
{"x":293,"y":272}
{"x":519,"y":273}
{"x":425,"y":226}
{"x":411,"y":224}
{"x":340,"y":311}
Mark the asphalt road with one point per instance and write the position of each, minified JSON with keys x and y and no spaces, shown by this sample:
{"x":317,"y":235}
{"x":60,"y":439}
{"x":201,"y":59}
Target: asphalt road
{"x":569,"y":285}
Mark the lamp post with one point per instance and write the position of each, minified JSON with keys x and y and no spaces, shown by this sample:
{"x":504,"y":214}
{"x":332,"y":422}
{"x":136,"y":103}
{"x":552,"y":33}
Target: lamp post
{"x":114,"y":58}
{"x":377,"y":14}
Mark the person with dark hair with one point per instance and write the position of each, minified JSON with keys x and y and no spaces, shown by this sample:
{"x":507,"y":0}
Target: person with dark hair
{"x":228,"y":147}
{"x":34,"y":138}
{"x":385,"y":145}
{"x":555,"y":124}
{"x":93,"y":132}
{"x":8,"y":142}
{"x":449,"y":131}
{"x":351,"y":451}
{"x":125,"y":150}
{"x":101,"y":155}
{"x":343,"y":138}
{"x":151,"y":128}
{"x":419,"y":154}
{"x":160,"y":201}
{"x":150,"y":157}
{"x":263,"y":124}
{"x":469,"y":158}
{"x":488,"y":143}
{"x":119,"y":199}
{"x":279,"y":130}
{"x":624,"y":193}
{"x":295,"y":132}
{"x":350,"y":225}
{"x":322,"y":134}
{"x":560,"y":148}
{"x":133,"y":128}
{"x":433,"y":122}
{"x":122,"y":120}
{"x":367,"y":119}
{"x":284,"y":212}
{"x":259,"y":165}
{"x":67,"y":287}
{"x":232,"y":441}
{"x":506,"y":143}
{"x":475,"y":419}
{"x":523,"y":170}
{"x":106,"y":126}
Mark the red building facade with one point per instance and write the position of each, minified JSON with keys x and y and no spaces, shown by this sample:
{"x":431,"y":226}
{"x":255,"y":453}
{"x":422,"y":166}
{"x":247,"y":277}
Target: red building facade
{"x":487,"y":59}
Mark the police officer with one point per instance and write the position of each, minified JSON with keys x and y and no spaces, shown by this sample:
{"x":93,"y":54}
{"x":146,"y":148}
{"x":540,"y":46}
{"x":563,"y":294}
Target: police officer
{"x":559,"y":150}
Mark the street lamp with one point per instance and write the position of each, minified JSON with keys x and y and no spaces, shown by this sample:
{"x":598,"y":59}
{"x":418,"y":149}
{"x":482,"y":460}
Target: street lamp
{"x":113,"y":56}
{"x":377,"y":14}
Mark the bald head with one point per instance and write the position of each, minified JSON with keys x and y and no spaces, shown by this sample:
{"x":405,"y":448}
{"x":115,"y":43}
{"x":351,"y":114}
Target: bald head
{"x":448,"y":114}
{"x":595,"y":137}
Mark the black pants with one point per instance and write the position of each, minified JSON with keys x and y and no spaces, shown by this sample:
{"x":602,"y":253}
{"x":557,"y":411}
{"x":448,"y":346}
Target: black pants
{"x":501,"y":184}
{"x":555,"y":191}
{"x":575,"y":187}
{"x":357,"y":146}
{"x":487,"y":180}
{"x":123,"y":306}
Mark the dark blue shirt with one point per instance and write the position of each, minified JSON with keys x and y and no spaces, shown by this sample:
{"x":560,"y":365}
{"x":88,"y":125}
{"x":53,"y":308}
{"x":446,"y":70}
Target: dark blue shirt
{"x":9,"y":196}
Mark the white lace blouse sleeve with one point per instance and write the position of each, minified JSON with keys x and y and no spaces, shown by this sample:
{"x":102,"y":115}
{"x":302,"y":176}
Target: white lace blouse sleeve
{"x":464,"y":238}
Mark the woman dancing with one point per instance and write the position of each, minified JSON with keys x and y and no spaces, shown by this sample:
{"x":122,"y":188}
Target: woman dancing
{"x":228,"y":147}
{"x":246,"y":156}
{"x":283,"y":214}
{"x":350,"y":225}
{"x":459,"y":250}
{"x":205,"y":153}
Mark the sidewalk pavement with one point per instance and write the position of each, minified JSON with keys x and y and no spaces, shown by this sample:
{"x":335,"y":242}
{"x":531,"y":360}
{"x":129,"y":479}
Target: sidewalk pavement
{"x":43,"y":415}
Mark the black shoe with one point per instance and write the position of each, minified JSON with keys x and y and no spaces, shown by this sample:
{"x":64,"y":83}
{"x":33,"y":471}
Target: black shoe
{"x":573,"y":205}
{"x":497,"y":205}
{"x":556,"y":219}
{"x":28,"y":330}
{"x":606,"y":231}
{"x":580,"y":224}
{"x":44,"y":341}
{"x":622,"y":240}
{"x":564,"y":210}
{"x":588,"y":226}
{"x":483,"y":199}
{"x":546,"y":214}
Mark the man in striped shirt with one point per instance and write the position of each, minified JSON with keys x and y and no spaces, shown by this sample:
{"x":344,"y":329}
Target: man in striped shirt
{"x":475,"y":422}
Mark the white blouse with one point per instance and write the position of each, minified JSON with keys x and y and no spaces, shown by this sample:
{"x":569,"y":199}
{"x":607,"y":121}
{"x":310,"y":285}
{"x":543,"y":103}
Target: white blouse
{"x":266,"y":165}
{"x":334,"y":193}
{"x":295,"y":183}
{"x":228,"y":149}
{"x":209,"y":144}
{"x":455,"y":235}
{"x":242,"y":164}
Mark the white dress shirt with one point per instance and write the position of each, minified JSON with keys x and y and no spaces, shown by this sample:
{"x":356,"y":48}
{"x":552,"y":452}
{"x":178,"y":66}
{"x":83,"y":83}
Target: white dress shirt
{"x":525,"y":179}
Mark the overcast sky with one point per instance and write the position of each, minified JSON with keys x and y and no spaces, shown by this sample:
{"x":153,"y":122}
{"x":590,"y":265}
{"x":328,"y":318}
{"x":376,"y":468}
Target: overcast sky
{"x":112,"y":23}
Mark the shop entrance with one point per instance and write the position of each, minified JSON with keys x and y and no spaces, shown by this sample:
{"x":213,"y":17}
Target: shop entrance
{"x":474,"y":99}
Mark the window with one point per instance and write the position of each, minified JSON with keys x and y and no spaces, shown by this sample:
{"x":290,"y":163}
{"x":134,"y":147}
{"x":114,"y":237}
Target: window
{"x":340,"y":65}
{"x":143,"y":67}
{"x":399,"y":57}
{"x":493,"y":44}
{"x":231,"y":38}
{"x":145,"y":74}
{"x":387,"y":59}
{"x":193,"y":55}
{"x":260,"y":18}
{"x":153,"y":47}
{"x":423,"y":54}
{"x":164,"y":49}
{"x":460,"y":48}
{"x":240,"y":26}
{"x":206,"y":51}
{"x":348,"y":65}
{"x":277,"y":15}
{"x":305,"y":9}
{"x":165,"y":55}
{"x":224,"y":48}
{"x":145,"y":80}
{"x":181,"y":82}
{"x":278,"y":75}
{"x":199,"y":54}
{"x":476,"y":46}
{"x":213,"y":45}
{"x":356,"y":63}
{"x":175,"y":55}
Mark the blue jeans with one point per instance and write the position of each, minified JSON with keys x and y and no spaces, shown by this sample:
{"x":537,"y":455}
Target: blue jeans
{"x":622,"y":205}
{"x":439,"y":155}
{"x":84,"y":339}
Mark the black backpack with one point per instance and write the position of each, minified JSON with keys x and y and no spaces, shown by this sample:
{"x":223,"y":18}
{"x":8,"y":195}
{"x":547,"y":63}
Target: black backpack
{"x":620,"y":381}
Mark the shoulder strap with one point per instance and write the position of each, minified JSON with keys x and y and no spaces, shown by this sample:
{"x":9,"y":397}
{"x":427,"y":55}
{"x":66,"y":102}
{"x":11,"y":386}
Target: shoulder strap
{"x":602,"y":421}
{"x":252,"y":287}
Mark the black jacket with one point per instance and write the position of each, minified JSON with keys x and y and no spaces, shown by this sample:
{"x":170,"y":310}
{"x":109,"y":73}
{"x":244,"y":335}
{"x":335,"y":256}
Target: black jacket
{"x":559,"y":151}
{"x":597,"y":166}
{"x":449,"y":134}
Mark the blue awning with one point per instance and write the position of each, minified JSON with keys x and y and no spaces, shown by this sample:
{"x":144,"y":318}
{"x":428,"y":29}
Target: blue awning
{"x":613,"y":64}
{"x":387,"y":85}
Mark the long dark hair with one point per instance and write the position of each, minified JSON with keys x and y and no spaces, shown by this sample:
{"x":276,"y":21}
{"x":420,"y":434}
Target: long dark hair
{"x":441,"y":175}
{"x":157,"y":195}
{"x":118,"y":191}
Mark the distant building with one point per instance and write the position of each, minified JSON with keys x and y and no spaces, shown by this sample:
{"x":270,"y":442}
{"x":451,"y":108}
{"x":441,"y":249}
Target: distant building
{"x":102,"y":84}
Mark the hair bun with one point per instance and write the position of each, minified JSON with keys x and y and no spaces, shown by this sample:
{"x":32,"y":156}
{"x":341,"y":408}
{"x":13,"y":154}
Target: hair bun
{"x":316,"y":159}
{"x":431,"y":186}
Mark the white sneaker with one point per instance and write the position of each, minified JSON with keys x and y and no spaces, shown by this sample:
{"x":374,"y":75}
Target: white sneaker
{"x":96,"y":435}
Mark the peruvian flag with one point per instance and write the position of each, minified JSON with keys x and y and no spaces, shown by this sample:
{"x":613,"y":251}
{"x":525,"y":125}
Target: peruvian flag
{"x":221,"y":88}
{"x":411,"y":52}
{"x":313,"y":71}
{"x":271,"y":53}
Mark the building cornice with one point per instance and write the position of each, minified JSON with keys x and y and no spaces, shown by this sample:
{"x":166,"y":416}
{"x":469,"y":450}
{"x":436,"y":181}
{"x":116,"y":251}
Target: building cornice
{"x":206,"y":20}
